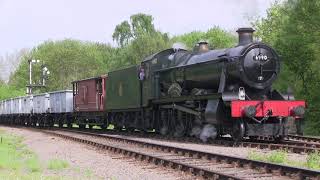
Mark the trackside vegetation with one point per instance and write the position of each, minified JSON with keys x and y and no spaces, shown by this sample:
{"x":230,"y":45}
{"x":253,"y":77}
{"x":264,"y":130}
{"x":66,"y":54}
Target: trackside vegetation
{"x":18,"y":162}
{"x":292,"y":27}
{"x":281,"y":157}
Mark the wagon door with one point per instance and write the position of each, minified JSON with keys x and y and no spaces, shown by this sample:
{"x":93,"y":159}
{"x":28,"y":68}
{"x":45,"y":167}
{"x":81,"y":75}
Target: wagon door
{"x":99,"y":99}
{"x":85,"y":95}
{"x":102,"y":93}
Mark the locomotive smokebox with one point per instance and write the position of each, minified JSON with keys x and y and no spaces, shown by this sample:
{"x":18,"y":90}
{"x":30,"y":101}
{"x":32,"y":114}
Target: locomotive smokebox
{"x":245,"y":35}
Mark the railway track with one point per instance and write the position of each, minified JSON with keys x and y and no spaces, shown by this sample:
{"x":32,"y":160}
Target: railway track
{"x":298,"y":145}
{"x":203,"y":164}
{"x":305,"y":138}
{"x":290,"y":146}
{"x":287,"y":145}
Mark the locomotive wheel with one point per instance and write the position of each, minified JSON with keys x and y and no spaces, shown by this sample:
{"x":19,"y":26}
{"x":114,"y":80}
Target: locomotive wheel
{"x":104,"y":126}
{"x":164,"y":130}
{"x":238,"y":130}
{"x":117,"y":128}
{"x":179,"y":130}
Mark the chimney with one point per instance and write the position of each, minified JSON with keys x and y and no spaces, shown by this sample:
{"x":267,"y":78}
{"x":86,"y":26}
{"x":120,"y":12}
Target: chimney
{"x":245,"y":35}
{"x":203,"y":46}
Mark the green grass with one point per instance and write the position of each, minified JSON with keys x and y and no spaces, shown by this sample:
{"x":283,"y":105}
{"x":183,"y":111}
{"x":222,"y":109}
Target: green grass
{"x":313,"y":161}
{"x":19,"y":163}
{"x":278,"y":157}
{"x":281,"y":157}
{"x":88,"y":173}
{"x":57,"y":164}
{"x":33,"y":164}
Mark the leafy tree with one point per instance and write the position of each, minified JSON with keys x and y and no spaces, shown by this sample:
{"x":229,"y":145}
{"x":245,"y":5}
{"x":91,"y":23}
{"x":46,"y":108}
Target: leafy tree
{"x":122,"y":33}
{"x":7,"y":91}
{"x":189,"y":39}
{"x":291,"y":27}
{"x":140,"y":25}
{"x":216,"y":37}
{"x":67,"y":60}
{"x":137,"y":39}
{"x":145,"y":45}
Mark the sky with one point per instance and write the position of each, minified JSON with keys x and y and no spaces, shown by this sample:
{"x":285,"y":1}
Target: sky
{"x":27,"y":23}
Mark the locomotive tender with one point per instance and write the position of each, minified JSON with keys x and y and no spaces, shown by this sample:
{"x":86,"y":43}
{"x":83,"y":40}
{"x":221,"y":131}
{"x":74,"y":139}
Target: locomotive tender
{"x":204,"y":93}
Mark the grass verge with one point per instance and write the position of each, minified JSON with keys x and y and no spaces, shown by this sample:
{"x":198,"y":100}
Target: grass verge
{"x":19,"y":163}
{"x":281,"y":157}
{"x":16,"y":161}
{"x":57,"y":164}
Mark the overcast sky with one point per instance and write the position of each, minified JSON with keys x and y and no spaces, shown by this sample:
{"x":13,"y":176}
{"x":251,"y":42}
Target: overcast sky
{"x":26,"y":23}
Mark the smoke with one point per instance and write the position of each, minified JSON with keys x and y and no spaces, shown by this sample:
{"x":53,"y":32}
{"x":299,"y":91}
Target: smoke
{"x":204,"y":133}
{"x":179,"y":45}
{"x":208,"y":131}
{"x":196,"y":131}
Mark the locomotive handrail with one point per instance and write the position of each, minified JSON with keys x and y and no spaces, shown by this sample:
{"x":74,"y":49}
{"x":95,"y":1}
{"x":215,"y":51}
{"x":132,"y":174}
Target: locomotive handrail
{"x":186,"y":98}
{"x":206,"y":62}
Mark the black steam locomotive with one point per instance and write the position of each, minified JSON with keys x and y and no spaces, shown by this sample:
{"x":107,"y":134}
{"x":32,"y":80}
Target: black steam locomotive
{"x":209,"y":93}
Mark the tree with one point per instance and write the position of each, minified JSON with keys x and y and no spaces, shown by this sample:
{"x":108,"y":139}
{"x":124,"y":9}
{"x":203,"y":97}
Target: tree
{"x":291,"y":27}
{"x":140,"y":25}
{"x":67,"y":60}
{"x":145,"y":45}
{"x":216,"y":37}
{"x":122,"y":33}
{"x":10,"y":62}
{"x":138,"y":39}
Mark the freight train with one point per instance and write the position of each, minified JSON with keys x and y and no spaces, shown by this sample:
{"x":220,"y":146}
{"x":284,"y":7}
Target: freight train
{"x":203,"y":93}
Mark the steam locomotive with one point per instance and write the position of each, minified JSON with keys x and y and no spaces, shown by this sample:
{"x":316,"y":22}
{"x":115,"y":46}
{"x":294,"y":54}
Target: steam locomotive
{"x":203,"y":93}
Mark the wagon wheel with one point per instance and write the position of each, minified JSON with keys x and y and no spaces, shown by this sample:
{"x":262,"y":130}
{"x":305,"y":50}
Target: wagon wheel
{"x":164,"y":130}
{"x":238,"y":130}
{"x":104,"y":126}
{"x":278,"y":139}
{"x":253,"y":138}
{"x":130,"y":129}
{"x":82,"y":126}
{"x":117,"y":128}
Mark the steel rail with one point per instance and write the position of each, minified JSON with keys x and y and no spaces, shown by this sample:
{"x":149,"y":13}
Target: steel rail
{"x":276,"y":169}
{"x":198,"y":171}
{"x":304,"y":138}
